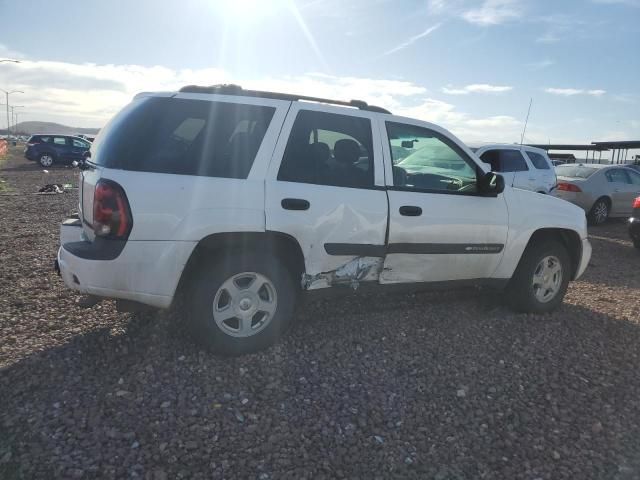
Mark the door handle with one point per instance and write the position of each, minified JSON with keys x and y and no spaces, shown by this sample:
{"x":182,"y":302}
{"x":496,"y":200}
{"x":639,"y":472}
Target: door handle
{"x":410,"y":211}
{"x":295,"y":204}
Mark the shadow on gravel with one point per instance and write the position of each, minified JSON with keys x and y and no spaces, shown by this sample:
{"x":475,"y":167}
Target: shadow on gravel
{"x":34,"y":167}
{"x":556,"y":395}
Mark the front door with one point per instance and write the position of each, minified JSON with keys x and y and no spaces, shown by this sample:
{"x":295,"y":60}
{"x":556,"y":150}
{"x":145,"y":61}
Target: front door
{"x":440,"y":227}
{"x":325,"y":188}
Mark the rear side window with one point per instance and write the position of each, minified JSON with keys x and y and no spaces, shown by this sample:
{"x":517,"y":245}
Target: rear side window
{"x":538,"y":161}
{"x":184,"y":137}
{"x":617,"y":175}
{"x":503,"y":160}
{"x":575,"y":171}
{"x":60,"y":140}
{"x":329,"y":149}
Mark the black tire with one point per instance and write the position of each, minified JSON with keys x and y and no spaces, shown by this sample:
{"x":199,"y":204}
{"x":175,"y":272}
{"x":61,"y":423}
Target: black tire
{"x":521,"y":291}
{"x":602,"y":204}
{"x":209,"y":278}
{"x":46,"y":160}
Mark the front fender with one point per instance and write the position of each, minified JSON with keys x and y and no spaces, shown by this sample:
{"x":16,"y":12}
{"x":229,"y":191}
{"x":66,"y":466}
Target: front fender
{"x":530,"y":212}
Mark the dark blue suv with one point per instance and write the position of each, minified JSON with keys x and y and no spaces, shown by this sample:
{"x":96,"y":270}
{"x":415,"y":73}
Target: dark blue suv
{"x":50,"y":149}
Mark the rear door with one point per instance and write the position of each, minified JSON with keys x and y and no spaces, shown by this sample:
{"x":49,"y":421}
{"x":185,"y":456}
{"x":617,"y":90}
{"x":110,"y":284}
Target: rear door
{"x":542,"y":174}
{"x":61,"y":147}
{"x":440,"y":228}
{"x":621,"y":190}
{"x":325,"y":188}
{"x":78,"y":147}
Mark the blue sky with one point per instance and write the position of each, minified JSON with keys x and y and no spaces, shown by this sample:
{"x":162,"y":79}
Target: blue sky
{"x":469,"y":65}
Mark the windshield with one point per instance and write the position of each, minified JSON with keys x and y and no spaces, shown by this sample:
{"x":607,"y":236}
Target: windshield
{"x":575,"y":171}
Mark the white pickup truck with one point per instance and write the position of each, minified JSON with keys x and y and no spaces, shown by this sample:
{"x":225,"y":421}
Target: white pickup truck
{"x":241,"y":200}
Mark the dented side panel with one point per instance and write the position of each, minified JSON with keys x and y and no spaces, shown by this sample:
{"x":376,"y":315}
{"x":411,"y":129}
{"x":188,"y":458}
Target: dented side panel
{"x":336,"y":215}
{"x":360,"y":269}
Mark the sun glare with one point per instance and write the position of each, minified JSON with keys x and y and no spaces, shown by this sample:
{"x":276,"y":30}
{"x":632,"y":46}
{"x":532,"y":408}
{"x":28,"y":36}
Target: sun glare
{"x":239,"y":10}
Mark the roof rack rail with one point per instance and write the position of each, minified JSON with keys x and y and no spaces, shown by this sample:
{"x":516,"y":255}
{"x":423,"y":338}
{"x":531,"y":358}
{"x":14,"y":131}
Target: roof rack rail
{"x":230,"y":89}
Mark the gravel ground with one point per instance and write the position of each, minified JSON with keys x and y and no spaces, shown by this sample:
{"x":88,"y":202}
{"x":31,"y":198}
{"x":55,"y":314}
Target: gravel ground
{"x":445,"y":386}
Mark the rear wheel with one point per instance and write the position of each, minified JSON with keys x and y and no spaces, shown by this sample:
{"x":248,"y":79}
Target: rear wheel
{"x":46,"y":159}
{"x":541,"y":279}
{"x":241,"y":303}
{"x":599,"y":212}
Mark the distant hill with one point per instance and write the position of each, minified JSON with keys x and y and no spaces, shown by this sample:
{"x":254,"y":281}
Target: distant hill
{"x":29,"y":128}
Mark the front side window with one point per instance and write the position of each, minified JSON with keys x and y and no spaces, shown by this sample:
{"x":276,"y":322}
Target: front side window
{"x":329,"y":149}
{"x":426,"y":160}
{"x":80,"y":144}
{"x":617,"y":175}
{"x":505,"y":160}
{"x":538,"y":161}
{"x":635,"y":178}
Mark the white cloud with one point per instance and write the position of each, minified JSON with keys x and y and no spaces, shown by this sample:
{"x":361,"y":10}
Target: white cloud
{"x":630,"y":3}
{"x":413,"y":39}
{"x":476,"y":88}
{"x":494,"y":12}
{"x":548,"y":37}
{"x":540,"y":65}
{"x":88,"y":94}
{"x":569,"y":92}
{"x":498,"y":128}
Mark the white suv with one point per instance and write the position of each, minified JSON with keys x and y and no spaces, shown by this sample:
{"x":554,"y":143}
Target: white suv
{"x":521,"y":166}
{"x":239,"y":201}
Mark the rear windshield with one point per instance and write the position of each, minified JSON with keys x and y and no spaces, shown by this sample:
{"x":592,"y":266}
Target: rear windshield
{"x":575,"y":171}
{"x":184,"y":137}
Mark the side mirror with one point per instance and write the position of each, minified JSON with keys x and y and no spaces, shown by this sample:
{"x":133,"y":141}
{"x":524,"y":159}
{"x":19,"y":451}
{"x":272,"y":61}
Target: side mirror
{"x":491,"y":184}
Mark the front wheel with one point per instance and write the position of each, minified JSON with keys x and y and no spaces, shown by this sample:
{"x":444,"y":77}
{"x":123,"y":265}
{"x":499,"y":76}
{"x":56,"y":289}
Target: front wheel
{"x":541,"y":279}
{"x":46,"y":160}
{"x":241,"y":303}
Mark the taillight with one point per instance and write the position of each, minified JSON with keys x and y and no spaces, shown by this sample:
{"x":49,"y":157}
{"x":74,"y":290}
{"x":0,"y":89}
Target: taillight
{"x":568,"y":187}
{"x":636,"y":203}
{"x":111,"y":212}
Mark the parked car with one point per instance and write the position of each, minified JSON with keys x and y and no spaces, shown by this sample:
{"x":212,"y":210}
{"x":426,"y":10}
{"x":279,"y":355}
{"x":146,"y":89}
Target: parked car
{"x":50,"y":149}
{"x":240,"y":201}
{"x":634,"y":223}
{"x":602,"y":191}
{"x":522,"y":166}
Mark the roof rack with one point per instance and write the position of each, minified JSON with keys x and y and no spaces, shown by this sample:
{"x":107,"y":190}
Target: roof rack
{"x":230,"y":89}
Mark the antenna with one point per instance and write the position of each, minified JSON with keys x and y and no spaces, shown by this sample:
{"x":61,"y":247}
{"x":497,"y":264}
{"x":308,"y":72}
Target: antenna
{"x":526,"y":121}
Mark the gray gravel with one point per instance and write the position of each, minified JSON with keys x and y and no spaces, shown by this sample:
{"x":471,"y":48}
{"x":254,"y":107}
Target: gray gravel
{"x":439,"y":386}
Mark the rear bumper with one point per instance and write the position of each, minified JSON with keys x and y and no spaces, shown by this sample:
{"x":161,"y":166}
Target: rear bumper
{"x":145,"y":272}
{"x":634,"y":228}
{"x":580,"y":199}
{"x":584,"y":258}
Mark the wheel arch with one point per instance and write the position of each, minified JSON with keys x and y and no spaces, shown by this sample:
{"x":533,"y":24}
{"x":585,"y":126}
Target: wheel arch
{"x":569,"y":238}
{"x":284,"y":246}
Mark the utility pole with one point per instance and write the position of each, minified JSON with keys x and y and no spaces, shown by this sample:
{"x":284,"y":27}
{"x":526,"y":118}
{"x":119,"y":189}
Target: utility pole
{"x":6,"y":93}
{"x":15,"y":124}
{"x":9,"y":60}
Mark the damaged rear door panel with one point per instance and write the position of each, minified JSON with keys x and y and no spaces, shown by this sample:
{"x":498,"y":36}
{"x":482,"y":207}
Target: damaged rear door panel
{"x":325,"y":188}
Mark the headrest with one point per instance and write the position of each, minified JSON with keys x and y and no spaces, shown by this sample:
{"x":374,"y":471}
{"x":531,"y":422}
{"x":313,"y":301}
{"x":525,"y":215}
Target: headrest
{"x":346,"y":151}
